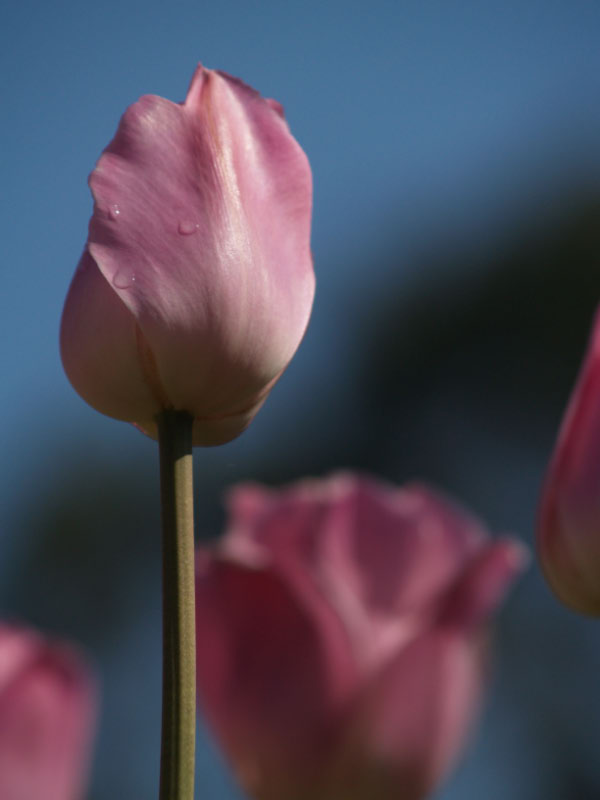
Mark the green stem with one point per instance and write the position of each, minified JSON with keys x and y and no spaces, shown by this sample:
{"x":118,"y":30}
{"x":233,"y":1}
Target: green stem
{"x":179,"y":639}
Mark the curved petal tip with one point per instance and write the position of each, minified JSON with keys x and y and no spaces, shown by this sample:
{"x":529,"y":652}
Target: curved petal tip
{"x":196,"y":86}
{"x":276,"y":106}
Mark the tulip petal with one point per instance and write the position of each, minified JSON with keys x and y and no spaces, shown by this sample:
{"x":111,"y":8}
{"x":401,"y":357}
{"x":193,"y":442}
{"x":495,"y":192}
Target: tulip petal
{"x":100,"y":348}
{"x":201,"y":229}
{"x":47,"y":710}
{"x":399,"y":583}
{"x":483,"y":585}
{"x":274,"y":668}
{"x":568,"y":531}
{"x":410,"y":724}
{"x":381,"y":556}
{"x":403,"y":546}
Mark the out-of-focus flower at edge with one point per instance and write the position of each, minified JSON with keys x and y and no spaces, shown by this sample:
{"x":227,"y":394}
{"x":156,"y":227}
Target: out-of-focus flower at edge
{"x":342,"y":637}
{"x":568,"y":534}
{"x":196,"y":283}
{"x":47,"y":718}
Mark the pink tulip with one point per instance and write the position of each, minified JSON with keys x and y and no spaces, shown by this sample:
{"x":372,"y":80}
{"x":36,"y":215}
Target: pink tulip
{"x":341,"y":630}
{"x":196,"y":283}
{"x":568,"y":534}
{"x":47,"y":712}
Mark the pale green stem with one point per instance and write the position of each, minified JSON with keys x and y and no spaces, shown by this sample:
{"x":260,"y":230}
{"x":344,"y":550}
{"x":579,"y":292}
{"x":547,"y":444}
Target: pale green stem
{"x":179,"y":639}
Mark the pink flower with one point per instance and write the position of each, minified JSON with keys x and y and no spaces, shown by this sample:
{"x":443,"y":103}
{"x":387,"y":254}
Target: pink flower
{"x":196,"y":283}
{"x":568,"y":535}
{"x":47,"y":712}
{"x":341,"y":637}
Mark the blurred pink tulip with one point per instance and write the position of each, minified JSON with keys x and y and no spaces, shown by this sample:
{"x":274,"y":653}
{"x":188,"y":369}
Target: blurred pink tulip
{"x":341,"y":637}
{"x":47,"y":713}
{"x":196,"y":284}
{"x":568,"y":535}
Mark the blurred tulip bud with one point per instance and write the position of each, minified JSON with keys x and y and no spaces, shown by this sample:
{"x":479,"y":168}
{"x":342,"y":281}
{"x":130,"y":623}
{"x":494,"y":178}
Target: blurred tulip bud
{"x":196,"y":283}
{"x":47,"y":714}
{"x":568,"y":534}
{"x":341,"y":637}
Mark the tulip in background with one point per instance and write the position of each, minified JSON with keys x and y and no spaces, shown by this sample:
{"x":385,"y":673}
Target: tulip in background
{"x":196,"y":283}
{"x":568,"y":534}
{"x":47,"y":715}
{"x":341,"y":634}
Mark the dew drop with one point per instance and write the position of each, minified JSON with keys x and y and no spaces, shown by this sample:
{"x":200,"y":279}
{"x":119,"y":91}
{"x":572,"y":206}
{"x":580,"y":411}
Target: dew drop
{"x":187,"y":228}
{"x":124,"y":279}
{"x":114,"y":212}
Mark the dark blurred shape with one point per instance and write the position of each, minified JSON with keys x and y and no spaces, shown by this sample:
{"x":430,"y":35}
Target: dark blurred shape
{"x":90,"y":537}
{"x":505,"y":326}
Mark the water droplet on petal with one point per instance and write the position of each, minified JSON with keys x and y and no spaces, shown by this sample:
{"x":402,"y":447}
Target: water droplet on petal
{"x":124,"y":279}
{"x":187,"y":228}
{"x":114,"y":211}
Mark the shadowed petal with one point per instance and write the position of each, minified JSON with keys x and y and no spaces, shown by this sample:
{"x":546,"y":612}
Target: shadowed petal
{"x":47,"y":711}
{"x":410,"y":724}
{"x":568,"y":533}
{"x":274,"y":668}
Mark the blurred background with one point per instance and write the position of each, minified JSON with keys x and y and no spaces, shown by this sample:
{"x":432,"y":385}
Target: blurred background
{"x":456,"y":158}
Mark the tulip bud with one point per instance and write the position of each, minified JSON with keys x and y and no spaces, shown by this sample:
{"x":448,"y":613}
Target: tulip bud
{"x":196,"y":282}
{"x":568,"y":534}
{"x":47,"y":710}
{"x":341,"y":629}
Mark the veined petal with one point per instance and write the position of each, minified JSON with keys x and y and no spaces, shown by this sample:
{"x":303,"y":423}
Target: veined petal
{"x":201,"y":229}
